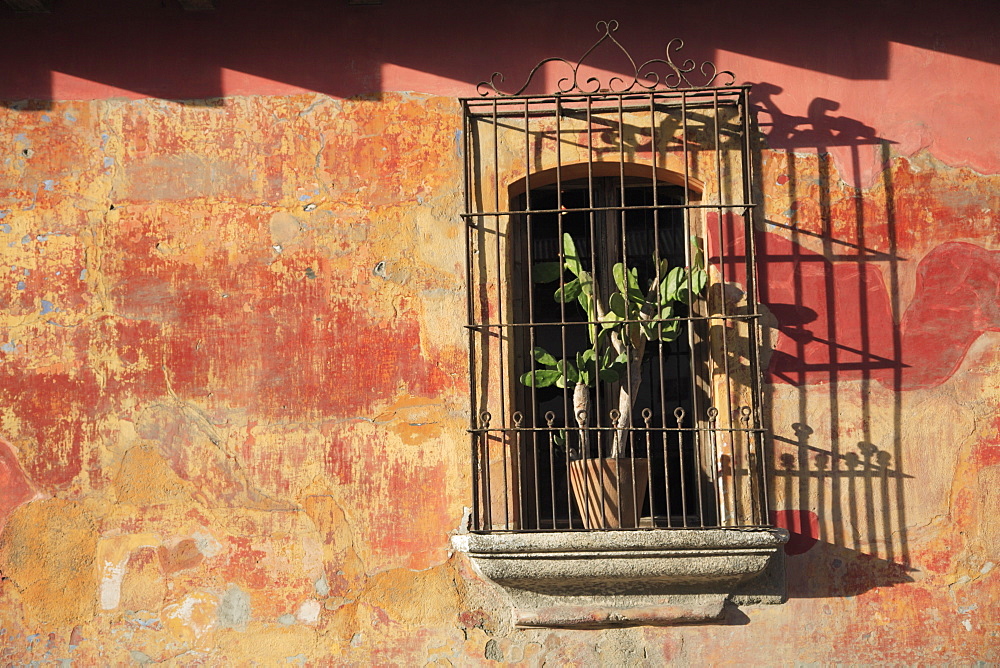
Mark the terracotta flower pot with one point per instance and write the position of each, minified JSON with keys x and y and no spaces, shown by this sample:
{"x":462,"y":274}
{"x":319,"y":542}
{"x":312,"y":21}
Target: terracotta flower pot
{"x":609,"y":492}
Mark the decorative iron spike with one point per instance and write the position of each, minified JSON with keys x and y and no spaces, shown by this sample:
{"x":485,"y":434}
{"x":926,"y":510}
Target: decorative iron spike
{"x":679,"y":414}
{"x":647,"y":415}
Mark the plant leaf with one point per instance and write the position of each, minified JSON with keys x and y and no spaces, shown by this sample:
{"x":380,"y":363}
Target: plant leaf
{"x":616,"y":302}
{"x":699,"y":279}
{"x":610,"y":321}
{"x":635,"y":295}
{"x":601,"y":335}
{"x":618,"y":271}
{"x":650,"y":329}
{"x":633,"y":279}
{"x":697,"y":255}
{"x":633,"y":333}
{"x":608,"y":375}
{"x":670,"y":331}
{"x":569,"y":291}
{"x":606,"y":361}
{"x":570,"y":255}
{"x":546,"y":272}
{"x":566,"y":369}
{"x":543,"y":357}
{"x":541,"y":377}
{"x":668,"y":290}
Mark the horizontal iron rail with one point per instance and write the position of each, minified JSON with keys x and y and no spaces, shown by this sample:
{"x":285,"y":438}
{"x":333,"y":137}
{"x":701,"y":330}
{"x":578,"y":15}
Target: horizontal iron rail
{"x":599,"y":112}
{"x":491,"y":117}
{"x":611,"y":95}
{"x":633,"y":430}
{"x":696,"y":318}
{"x":707,"y":527}
{"x":596,"y":209}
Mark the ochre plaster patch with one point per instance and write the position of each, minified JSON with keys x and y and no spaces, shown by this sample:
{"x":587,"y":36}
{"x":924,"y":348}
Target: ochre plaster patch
{"x":48,"y":550}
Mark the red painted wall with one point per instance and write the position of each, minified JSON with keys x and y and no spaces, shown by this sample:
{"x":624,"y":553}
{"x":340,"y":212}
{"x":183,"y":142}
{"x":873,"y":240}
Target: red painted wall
{"x":823,"y":75}
{"x":232,"y":365}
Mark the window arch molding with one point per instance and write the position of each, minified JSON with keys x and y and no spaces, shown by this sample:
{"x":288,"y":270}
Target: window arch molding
{"x":581,"y":170}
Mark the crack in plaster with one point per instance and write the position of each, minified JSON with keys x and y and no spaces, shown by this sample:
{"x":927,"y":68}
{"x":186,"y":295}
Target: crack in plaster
{"x":349,"y":524}
{"x":238,"y":477}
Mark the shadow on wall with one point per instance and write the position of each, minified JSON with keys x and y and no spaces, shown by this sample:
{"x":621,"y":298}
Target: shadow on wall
{"x":153,"y":48}
{"x":867,"y":483}
{"x":829,"y":275}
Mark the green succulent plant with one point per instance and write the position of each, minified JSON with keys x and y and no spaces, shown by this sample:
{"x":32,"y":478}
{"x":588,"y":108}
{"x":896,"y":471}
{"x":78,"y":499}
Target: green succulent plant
{"x":618,"y":327}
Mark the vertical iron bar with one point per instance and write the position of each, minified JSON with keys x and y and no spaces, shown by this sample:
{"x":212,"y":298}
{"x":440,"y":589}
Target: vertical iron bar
{"x":697,"y":477}
{"x":647,"y":415}
{"x":746,"y":414}
{"x":549,"y":417}
{"x":518,"y":417}
{"x":753,"y":291}
{"x":718,"y":483}
{"x":584,"y":446}
{"x":562,"y":317}
{"x":666,"y":477}
{"x":484,"y":425}
{"x":486,"y":335}
{"x":623,"y":221}
{"x":530,"y":290}
{"x":506,"y":462}
{"x":722,"y":259}
{"x":660,"y":277}
{"x":690,"y":324}
{"x":679,"y":414}
{"x":470,"y":309}
{"x":631,"y":491}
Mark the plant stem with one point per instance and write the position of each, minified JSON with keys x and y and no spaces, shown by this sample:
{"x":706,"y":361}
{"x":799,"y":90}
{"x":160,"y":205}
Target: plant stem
{"x":581,"y":410}
{"x":629,"y":389}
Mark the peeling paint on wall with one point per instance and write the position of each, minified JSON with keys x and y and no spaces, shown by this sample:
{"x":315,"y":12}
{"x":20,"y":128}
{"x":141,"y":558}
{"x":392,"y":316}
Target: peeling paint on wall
{"x":233,"y":393}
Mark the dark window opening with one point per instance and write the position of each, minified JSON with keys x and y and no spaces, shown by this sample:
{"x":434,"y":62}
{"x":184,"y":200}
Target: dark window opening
{"x":639,"y":235}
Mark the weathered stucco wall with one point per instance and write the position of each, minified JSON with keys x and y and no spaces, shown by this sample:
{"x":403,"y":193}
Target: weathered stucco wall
{"x":233,"y":383}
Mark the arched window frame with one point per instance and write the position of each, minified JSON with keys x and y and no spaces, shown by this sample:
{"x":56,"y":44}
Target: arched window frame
{"x":651,"y":569}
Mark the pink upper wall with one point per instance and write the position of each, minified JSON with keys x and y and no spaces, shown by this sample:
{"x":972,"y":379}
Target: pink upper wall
{"x":907,"y":73}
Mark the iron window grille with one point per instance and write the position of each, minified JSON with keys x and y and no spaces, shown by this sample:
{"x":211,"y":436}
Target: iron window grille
{"x":612,"y":302}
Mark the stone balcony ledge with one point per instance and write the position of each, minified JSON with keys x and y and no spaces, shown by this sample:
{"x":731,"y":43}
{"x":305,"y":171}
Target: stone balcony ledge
{"x":629,"y":577}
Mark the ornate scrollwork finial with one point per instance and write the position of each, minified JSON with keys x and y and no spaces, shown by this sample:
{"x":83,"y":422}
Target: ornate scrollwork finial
{"x":644,"y":77}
